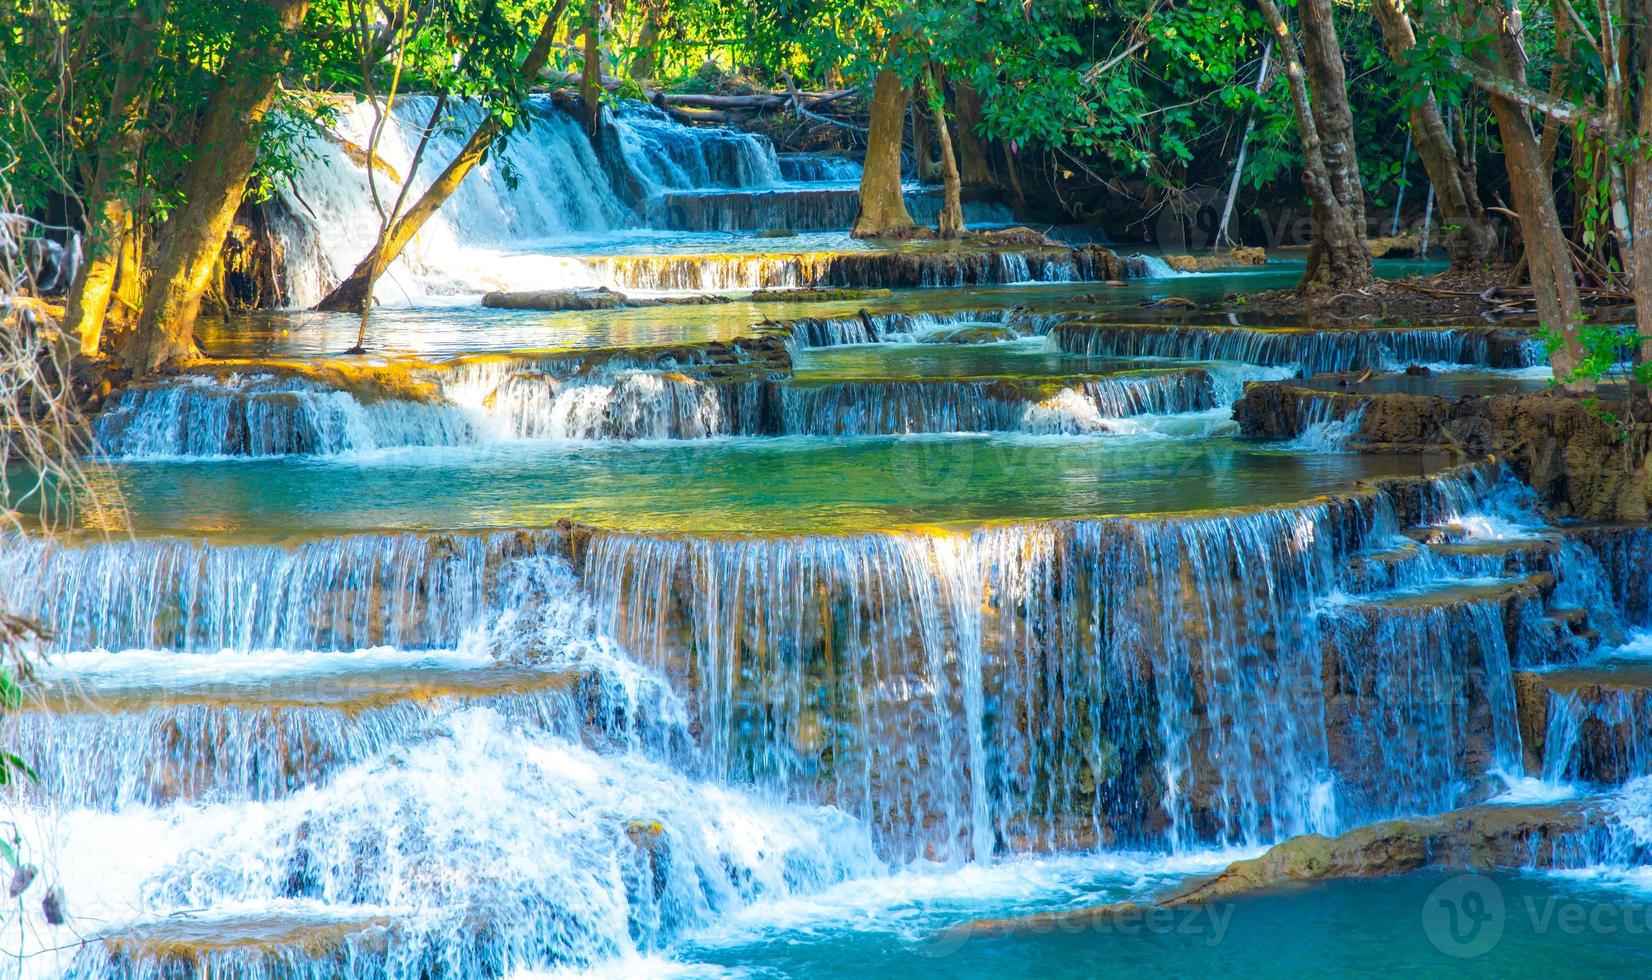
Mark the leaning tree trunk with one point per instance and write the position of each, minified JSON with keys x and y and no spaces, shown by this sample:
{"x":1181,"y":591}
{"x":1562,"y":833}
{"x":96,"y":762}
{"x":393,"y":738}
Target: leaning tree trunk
{"x":974,"y":169}
{"x":882,"y":211}
{"x":1338,"y":258}
{"x":351,"y":295}
{"x":225,"y":147}
{"x":1548,"y":254}
{"x":950,"y":223}
{"x":1471,"y":239}
{"x":109,"y":214}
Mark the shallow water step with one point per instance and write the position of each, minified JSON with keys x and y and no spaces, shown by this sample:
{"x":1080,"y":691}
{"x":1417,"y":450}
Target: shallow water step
{"x":916,"y":265}
{"x":798,"y":208}
{"x":1458,"y":593}
{"x":1313,"y":350}
{"x":112,"y":746}
{"x":350,"y":692}
{"x":252,"y":946}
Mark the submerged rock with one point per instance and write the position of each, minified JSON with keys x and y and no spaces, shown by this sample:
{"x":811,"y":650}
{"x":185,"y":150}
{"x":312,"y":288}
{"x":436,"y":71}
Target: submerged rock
{"x":598,"y":298}
{"x":975,"y":335}
{"x":815,"y":294}
{"x":275,"y":944}
{"x":1394,"y":247}
{"x":1211,"y":262}
{"x":1481,"y":838}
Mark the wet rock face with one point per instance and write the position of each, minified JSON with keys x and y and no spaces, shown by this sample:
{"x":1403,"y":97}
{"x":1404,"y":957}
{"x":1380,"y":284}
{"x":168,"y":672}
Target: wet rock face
{"x":293,"y":945}
{"x":1587,"y":725}
{"x":1484,"y":838}
{"x":1479,"y":838}
{"x":1580,"y":466}
{"x":1312,"y":351}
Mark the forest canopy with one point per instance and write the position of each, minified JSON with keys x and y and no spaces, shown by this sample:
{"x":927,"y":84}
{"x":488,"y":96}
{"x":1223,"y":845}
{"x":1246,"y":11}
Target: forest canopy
{"x":144,"y":124}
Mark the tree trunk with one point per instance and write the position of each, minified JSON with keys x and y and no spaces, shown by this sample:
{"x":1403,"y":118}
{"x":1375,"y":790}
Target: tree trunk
{"x":950,"y":223}
{"x":648,"y":39}
{"x":1472,"y":239}
{"x":351,"y":294}
{"x":924,"y":165}
{"x":1338,"y":258}
{"x":1642,"y":195}
{"x":108,"y":212}
{"x":1012,"y":169}
{"x":973,"y":167}
{"x":125,"y":305}
{"x":1548,"y":255}
{"x":1328,"y":85}
{"x":590,"y":79}
{"x":225,"y":149}
{"x":882,"y":211}
{"x":1223,"y":237}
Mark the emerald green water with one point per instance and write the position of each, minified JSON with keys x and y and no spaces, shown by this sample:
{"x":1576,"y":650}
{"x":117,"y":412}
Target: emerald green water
{"x":1387,"y":927}
{"x":464,"y":327}
{"x":736,"y":485}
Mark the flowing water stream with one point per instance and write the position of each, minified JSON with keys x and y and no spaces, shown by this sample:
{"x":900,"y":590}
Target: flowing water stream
{"x":781,"y":639}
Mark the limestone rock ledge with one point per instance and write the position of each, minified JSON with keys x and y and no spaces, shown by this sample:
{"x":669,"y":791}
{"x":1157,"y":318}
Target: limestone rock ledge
{"x":1481,"y":838}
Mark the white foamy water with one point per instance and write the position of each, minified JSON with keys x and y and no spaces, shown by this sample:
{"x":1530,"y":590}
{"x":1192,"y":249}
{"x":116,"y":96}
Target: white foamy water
{"x":501,"y":228}
{"x":571,"y":855}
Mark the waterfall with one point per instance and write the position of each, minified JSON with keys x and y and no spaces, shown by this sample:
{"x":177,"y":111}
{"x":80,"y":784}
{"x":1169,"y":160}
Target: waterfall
{"x":810,"y":167}
{"x":926,"y":268}
{"x":408,"y":591}
{"x":263,"y":415}
{"x":898,"y":327}
{"x":607,"y":404}
{"x":802,"y":682}
{"x":1314,"y":351}
{"x":1322,"y":430}
{"x":642,"y":855}
{"x":546,"y":183}
{"x":1145,"y":266}
{"x":894,"y":407}
{"x":704,"y":722}
{"x":670,"y":156}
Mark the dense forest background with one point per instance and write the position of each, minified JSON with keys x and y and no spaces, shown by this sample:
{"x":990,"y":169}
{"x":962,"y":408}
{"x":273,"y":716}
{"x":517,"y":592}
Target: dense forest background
{"x":1516,"y":136}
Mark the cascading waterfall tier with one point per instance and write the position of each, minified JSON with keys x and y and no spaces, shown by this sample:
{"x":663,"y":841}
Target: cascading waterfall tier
{"x":797,"y":208}
{"x":700,"y":723}
{"x":1314,"y":351}
{"x":484,"y":237}
{"x":672,"y":396}
{"x":1067,"y":408}
{"x":914,"y":267}
{"x":265,"y":415}
{"x":895,"y":327}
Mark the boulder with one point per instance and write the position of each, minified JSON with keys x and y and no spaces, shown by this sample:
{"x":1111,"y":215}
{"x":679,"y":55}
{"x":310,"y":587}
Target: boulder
{"x":555,"y":299}
{"x":1396,"y":247}
{"x":597,"y":298}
